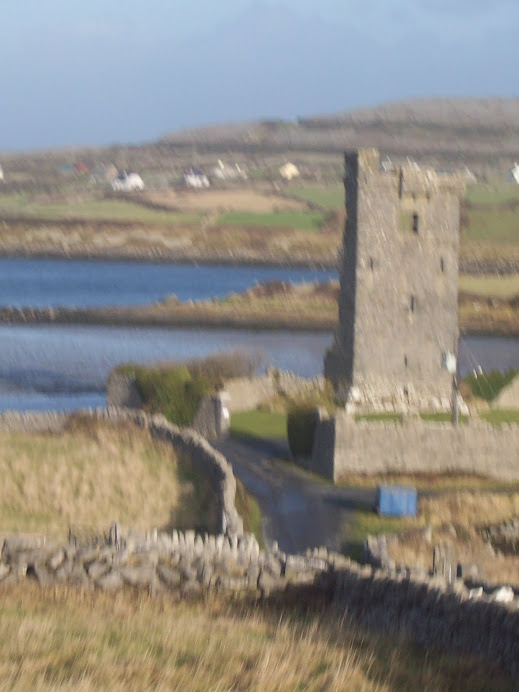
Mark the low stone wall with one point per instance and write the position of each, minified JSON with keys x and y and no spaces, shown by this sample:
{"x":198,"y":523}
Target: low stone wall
{"x":431,"y":612}
{"x":205,"y":460}
{"x":122,"y":392}
{"x":343,"y":446}
{"x":246,"y":393}
{"x":181,"y":562}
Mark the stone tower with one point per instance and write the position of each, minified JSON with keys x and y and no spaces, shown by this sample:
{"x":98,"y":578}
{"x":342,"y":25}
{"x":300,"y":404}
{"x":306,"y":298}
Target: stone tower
{"x":398,"y":304}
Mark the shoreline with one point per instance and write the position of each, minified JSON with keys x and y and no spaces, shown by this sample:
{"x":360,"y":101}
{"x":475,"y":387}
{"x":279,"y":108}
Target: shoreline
{"x":469,"y":265}
{"x":196,"y":317}
{"x":156,"y":255}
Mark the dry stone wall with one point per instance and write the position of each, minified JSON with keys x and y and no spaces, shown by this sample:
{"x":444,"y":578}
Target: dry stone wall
{"x":342,"y":446}
{"x":181,"y":562}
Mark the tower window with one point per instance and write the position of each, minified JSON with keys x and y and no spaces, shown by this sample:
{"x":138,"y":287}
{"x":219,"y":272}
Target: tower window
{"x":415,"y":223}
{"x":405,"y":361}
{"x":371,"y":263}
{"x":413,"y":303}
{"x":442,"y":265}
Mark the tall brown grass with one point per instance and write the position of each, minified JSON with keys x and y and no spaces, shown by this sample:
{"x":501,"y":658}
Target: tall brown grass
{"x":93,"y":474}
{"x":64,"y":639}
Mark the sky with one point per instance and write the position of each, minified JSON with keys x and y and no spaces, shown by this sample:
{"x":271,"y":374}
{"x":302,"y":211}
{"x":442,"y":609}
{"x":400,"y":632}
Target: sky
{"x":98,"y":72}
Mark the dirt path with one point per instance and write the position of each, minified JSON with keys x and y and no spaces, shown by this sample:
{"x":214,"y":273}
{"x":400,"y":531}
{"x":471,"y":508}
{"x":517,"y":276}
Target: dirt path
{"x":298,"y":511}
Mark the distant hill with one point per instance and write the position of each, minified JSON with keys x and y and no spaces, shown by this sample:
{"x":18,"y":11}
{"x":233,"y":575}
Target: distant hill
{"x":443,"y":129}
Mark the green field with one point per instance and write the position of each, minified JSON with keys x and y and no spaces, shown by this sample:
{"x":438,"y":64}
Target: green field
{"x":96,"y":210}
{"x":328,"y":198}
{"x":260,"y":424}
{"x":491,"y":214}
{"x":492,"y":224}
{"x":500,"y":416}
{"x":483,"y":194}
{"x":307,"y":221}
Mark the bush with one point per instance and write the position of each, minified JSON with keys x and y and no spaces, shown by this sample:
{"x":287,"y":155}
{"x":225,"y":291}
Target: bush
{"x":487,"y":385}
{"x":177,"y":390}
{"x":301,"y":424}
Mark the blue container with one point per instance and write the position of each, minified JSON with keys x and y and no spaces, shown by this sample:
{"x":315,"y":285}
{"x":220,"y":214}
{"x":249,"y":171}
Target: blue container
{"x":396,"y":501}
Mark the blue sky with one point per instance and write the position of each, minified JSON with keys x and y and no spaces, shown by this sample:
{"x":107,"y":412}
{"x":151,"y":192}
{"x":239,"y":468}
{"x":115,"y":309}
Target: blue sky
{"x":99,"y":72}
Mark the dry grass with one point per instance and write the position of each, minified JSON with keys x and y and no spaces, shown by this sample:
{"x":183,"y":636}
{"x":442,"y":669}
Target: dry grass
{"x":94,"y":474}
{"x":260,"y":200}
{"x":455,"y":518}
{"x":63,"y":639}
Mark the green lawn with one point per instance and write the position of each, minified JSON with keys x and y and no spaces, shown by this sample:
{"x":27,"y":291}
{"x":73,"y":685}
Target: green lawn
{"x":499,"y":416}
{"x":491,"y":194}
{"x":97,"y":210}
{"x":441,"y":417}
{"x":308,"y":221}
{"x":492,"y":224}
{"x":498,"y":287}
{"x":380,"y":417}
{"x":329,"y":198}
{"x":260,"y":424}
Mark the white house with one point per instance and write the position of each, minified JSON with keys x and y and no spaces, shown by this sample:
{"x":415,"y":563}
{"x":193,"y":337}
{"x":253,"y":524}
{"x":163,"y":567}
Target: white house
{"x":513,"y":174}
{"x":225,"y":172}
{"x":196,"y":178}
{"x":127,"y":182}
{"x":1,"y":174}
{"x":289,"y":171}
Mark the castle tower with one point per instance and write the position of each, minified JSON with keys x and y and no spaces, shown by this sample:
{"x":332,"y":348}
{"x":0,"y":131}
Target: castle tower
{"x":398,"y":304}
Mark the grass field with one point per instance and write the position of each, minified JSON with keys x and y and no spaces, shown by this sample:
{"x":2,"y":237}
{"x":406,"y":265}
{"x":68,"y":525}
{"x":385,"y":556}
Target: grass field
{"x":309,"y":221}
{"x":260,"y":424}
{"x":485,"y":194}
{"x":500,"y":416}
{"x":98,"y":210}
{"x":65,"y":639}
{"x":95,"y":474}
{"x":329,"y":197}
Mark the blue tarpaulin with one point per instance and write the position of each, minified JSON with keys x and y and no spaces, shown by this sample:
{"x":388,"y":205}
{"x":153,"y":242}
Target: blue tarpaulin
{"x":396,"y":500}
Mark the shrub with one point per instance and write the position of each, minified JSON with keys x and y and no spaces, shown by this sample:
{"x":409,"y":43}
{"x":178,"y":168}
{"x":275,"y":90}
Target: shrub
{"x":301,"y":423}
{"x":487,"y":385}
{"x":177,"y":390}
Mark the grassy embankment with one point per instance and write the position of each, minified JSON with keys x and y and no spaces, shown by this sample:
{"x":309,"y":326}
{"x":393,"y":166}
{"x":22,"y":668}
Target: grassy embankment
{"x":64,"y":639}
{"x":95,"y":473}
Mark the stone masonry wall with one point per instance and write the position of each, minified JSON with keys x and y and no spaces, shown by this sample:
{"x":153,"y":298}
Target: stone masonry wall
{"x":343,"y":446}
{"x":398,"y":294}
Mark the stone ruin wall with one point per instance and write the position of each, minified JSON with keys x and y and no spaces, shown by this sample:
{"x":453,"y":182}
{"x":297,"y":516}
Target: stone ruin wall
{"x":398,"y":294}
{"x":430,"y":610}
{"x":343,"y":446}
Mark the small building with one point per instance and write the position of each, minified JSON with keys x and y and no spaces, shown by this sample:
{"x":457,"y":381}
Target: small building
{"x":223,"y":171}
{"x":2,"y":177}
{"x":289,"y":171}
{"x":194,"y":177}
{"x":127,"y":181}
{"x":513,"y":174}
